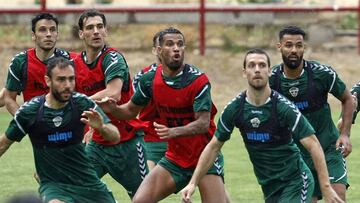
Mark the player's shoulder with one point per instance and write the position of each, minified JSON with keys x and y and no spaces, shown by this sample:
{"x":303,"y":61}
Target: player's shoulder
{"x":275,"y":68}
{"x":30,"y":108}
{"x":235,"y":103}
{"x":356,"y":87}
{"x":319,"y":68}
{"x":193,"y":70}
{"x":283,"y":103}
{"x":80,"y":98}
{"x":21,"y":56}
{"x":62,"y":53}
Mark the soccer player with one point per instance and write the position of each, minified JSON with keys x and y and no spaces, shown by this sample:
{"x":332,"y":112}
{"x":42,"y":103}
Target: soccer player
{"x":27,"y":69}
{"x":268,"y":123}
{"x":55,"y":125}
{"x":101,"y":72}
{"x":181,"y":95}
{"x":307,"y":84}
{"x":155,"y":147}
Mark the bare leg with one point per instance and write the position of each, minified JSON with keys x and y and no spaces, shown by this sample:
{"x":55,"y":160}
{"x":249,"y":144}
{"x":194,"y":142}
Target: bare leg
{"x":340,"y":189}
{"x":212,"y":189}
{"x":157,"y":185}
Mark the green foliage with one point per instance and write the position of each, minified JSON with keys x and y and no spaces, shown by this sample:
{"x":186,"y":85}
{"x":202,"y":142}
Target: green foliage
{"x":257,"y":1}
{"x":349,"y":22}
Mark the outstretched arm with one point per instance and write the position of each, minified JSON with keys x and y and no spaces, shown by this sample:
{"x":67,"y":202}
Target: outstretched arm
{"x":347,"y":113}
{"x":198,"y":126}
{"x":125,"y":111}
{"x":10,"y":101}
{"x":5,"y":143}
{"x":206,"y":159}
{"x":107,"y":130}
{"x":312,"y":144}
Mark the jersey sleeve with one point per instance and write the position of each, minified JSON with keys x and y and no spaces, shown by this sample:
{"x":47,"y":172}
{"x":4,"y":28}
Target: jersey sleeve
{"x":114,"y":66}
{"x":15,"y":73}
{"x":290,"y":117}
{"x":143,"y":92}
{"x":202,"y":100}
{"x":23,"y":119}
{"x":225,"y":125}
{"x":329,"y":80}
{"x":85,"y":103}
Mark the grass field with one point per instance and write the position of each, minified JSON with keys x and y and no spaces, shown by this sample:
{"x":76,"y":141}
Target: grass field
{"x":17,"y":167}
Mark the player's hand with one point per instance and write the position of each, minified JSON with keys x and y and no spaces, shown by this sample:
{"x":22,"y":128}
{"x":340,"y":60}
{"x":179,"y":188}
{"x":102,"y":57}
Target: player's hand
{"x":107,"y":104}
{"x":330,"y":196}
{"x":92,"y":118}
{"x":343,"y":143}
{"x":187,"y":192}
{"x":163,"y":131}
{"x":88,"y":135}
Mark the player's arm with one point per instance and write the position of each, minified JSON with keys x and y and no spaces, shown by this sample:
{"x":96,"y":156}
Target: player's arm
{"x":125,"y":111}
{"x":206,"y":159}
{"x":5,"y":143}
{"x":313,"y":146}
{"x":107,"y":130}
{"x":347,"y":104}
{"x":112,"y":90}
{"x":198,"y":126}
{"x":10,"y":101}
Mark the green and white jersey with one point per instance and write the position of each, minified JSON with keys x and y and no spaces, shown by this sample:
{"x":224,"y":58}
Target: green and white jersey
{"x":356,"y":88}
{"x":143,"y":92}
{"x":304,"y":92}
{"x":268,"y":132}
{"x":56,"y":136}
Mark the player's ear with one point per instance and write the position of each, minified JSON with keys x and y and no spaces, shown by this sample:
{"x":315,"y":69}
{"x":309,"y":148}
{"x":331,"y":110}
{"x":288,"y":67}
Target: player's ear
{"x":33,"y":36}
{"x":81,"y":34}
{"x":48,"y":80}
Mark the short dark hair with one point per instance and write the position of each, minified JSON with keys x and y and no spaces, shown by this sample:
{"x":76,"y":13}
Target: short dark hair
{"x":90,"y":13}
{"x":156,"y":38}
{"x":170,"y":30}
{"x":256,"y":51}
{"x":60,"y":62}
{"x":40,"y":16}
{"x":291,"y":30}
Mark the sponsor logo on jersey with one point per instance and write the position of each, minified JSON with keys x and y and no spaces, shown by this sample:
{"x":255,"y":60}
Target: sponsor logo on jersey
{"x":57,"y":121}
{"x":255,"y":122}
{"x":63,"y":136}
{"x":255,"y":136}
{"x":302,"y":105}
{"x":256,"y":112}
{"x":294,"y":91}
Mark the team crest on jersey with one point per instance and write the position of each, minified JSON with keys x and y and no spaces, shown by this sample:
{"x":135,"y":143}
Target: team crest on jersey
{"x":255,"y":122}
{"x":294,"y":91}
{"x":57,"y":121}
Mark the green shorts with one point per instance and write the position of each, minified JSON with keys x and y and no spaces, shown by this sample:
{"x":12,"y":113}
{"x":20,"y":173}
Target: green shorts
{"x":125,"y":162}
{"x":182,"y":176}
{"x":336,"y":167}
{"x":299,"y":189}
{"x":74,"y":194}
{"x":155,"y":150}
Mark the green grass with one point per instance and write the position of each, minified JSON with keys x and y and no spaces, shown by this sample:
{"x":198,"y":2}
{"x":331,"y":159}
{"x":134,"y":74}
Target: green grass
{"x":17,"y":167}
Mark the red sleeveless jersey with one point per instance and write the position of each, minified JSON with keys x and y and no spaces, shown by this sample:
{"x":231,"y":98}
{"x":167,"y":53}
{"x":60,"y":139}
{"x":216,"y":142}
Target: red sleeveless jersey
{"x":149,"y":115}
{"x":175,"y":108}
{"x":90,"y":81}
{"x":34,"y":84}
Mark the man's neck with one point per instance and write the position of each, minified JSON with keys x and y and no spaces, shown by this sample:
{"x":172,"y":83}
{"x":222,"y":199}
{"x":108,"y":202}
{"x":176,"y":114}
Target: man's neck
{"x":53,"y":103}
{"x":258,"y":97}
{"x":293,"y":73}
{"x":43,"y":55}
{"x":171,"y":73}
{"x":92,"y":54}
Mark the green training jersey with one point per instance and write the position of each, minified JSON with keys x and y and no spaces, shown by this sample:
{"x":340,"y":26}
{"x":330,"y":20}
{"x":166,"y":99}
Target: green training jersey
{"x":276,"y":159}
{"x":325,"y":80}
{"x":58,"y":151}
{"x":143,"y":93}
{"x":356,"y":88}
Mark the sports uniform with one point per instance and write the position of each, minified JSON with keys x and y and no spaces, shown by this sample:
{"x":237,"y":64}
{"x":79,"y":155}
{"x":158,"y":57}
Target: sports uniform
{"x":176,"y":100}
{"x":26,"y":73}
{"x":268,"y":132}
{"x":309,"y":93}
{"x":62,"y":165}
{"x":155,"y":147}
{"x":125,"y":161}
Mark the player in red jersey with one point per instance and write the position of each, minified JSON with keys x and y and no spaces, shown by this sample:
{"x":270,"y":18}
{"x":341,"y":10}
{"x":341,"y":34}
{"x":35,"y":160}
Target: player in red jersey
{"x":181,"y":96}
{"x":101,"y":71}
{"x":27,"y":69}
